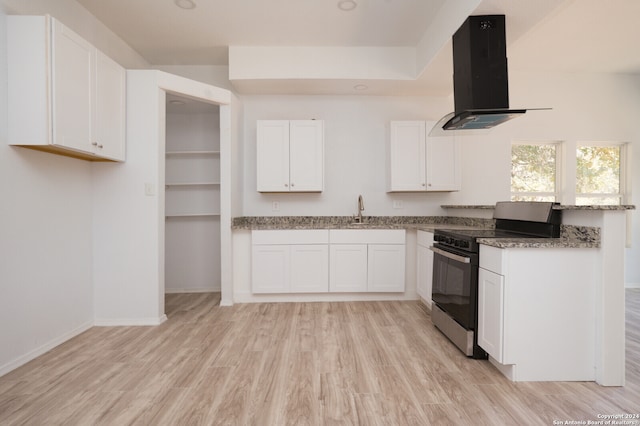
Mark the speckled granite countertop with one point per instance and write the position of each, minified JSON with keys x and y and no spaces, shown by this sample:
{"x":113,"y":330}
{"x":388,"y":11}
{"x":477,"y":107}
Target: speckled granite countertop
{"x":369,"y":222}
{"x":571,"y":236}
{"x":559,"y":207}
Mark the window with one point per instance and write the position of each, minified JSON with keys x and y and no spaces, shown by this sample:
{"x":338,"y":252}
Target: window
{"x":600,"y":174}
{"x":534,"y":171}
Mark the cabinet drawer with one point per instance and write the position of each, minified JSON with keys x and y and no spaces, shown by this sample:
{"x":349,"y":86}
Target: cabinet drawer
{"x":306,"y":236}
{"x":492,"y":259}
{"x":367,"y":236}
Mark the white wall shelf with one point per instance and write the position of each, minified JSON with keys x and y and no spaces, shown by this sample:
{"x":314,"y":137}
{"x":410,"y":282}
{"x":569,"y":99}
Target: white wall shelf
{"x":169,"y":153}
{"x":193,"y":215}
{"x":192,"y":201}
{"x":169,"y":184}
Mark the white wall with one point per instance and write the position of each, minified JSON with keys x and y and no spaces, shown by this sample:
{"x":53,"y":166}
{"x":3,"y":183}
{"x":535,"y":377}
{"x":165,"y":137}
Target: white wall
{"x":356,"y":133}
{"x":585,"y":107}
{"x":216,"y":75}
{"x":45,"y":244}
{"x":46,"y":221}
{"x":129,"y":202}
{"x":127,"y":229}
{"x":76,"y":17}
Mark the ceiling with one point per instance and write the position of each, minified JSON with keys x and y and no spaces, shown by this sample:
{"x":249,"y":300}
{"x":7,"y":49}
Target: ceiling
{"x":564,"y":35}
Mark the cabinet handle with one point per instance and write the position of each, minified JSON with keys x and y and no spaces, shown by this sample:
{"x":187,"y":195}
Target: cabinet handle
{"x":423,"y":184}
{"x":292,"y":185}
{"x":286,"y":185}
{"x":99,"y":145}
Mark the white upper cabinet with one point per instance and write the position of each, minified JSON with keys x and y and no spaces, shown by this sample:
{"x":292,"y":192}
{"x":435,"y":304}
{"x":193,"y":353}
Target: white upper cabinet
{"x":406,"y":157}
{"x":65,"y":96}
{"x":417,"y":162}
{"x":111,"y":88}
{"x":73,"y":63}
{"x":290,"y":155}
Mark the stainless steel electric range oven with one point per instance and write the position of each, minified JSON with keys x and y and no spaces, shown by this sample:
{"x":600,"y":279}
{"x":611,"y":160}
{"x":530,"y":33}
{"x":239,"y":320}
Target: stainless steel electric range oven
{"x":456,"y":260}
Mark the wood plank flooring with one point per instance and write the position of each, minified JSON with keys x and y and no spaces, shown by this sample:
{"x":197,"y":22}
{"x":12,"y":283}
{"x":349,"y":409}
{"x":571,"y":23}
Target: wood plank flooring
{"x":359,"y":363}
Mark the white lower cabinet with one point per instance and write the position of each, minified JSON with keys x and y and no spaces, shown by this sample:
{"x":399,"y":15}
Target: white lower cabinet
{"x":367,"y":260}
{"x":320,"y":261}
{"x":290,"y":261}
{"x":535,"y":312}
{"x":385,"y":268}
{"x":309,"y":268}
{"x":424,"y":260}
{"x":270,"y":268}
{"x":348,"y":268}
{"x":491,"y":313}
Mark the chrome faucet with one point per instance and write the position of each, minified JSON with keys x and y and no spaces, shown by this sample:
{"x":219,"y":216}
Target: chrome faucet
{"x":358,"y":218}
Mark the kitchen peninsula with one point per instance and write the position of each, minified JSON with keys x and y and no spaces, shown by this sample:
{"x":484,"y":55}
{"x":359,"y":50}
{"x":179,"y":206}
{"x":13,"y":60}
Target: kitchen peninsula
{"x":598,"y":228}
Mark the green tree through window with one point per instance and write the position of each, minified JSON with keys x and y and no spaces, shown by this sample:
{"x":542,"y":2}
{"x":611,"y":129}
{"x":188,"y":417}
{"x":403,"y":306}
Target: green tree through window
{"x":598,"y":175}
{"x":533,"y":172}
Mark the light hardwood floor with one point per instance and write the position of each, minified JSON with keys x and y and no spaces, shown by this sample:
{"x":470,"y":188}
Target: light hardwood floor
{"x":378,"y":363}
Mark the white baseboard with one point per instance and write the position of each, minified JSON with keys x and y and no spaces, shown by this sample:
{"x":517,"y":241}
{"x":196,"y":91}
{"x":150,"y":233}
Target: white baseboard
{"x":320,"y":297}
{"x":631,"y":285}
{"x":119,"y":322}
{"x":191,"y":290}
{"x":31,"y":355}
{"x":226,"y":302}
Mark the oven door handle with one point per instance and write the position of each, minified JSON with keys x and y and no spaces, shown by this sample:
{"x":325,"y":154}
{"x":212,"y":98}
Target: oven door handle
{"x":450,"y":255}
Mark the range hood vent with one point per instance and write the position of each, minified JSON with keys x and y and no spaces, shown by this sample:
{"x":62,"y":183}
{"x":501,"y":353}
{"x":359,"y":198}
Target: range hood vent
{"x":480,"y":80}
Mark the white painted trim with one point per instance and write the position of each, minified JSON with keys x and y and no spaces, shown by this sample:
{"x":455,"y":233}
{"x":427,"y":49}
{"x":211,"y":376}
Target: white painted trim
{"x":119,"y":322}
{"x":191,"y":290}
{"x":321,"y":297}
{"x":31,"y":355}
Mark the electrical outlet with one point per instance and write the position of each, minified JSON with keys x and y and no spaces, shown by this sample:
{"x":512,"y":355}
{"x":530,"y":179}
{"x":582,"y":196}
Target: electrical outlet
{"x":397,"y":204}
{"x":275,"y":206}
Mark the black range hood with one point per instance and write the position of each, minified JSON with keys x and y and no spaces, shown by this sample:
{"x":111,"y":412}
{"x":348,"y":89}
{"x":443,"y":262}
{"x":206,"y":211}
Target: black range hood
{"x":480,"y":80}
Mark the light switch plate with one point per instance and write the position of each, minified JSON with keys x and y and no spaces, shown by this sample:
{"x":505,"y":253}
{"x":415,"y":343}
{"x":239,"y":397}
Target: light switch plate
{"x":275,"y":206}
{"x":149,"y":189}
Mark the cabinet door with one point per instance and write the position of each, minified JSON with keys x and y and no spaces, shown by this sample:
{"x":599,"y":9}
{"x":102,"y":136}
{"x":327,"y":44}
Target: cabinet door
{"x":73,"y":62}
{"x":272,"y":156}
{"x":309,"y":268}
{"x":385,"y":268}
{"x":491,"y":313}
{"x":443,"y":164}
{"x":348,"y":271}
{"x":306,"y":152}
{"x":270,"y":269}
{"x":407,"y":156}
{"x":424,"y":272}
{"x":109,"y":137}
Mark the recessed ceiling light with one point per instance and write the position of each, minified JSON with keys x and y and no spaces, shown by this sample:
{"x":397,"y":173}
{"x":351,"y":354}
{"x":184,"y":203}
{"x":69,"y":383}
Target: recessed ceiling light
{"x":347,"y":5}
{"x":185,"y":4}
{"x":360,"y":87}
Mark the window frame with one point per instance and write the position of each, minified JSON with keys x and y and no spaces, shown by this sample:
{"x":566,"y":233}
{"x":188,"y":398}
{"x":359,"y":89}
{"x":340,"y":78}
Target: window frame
{"x":559,"y":164}
{"x":623,"y":192}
